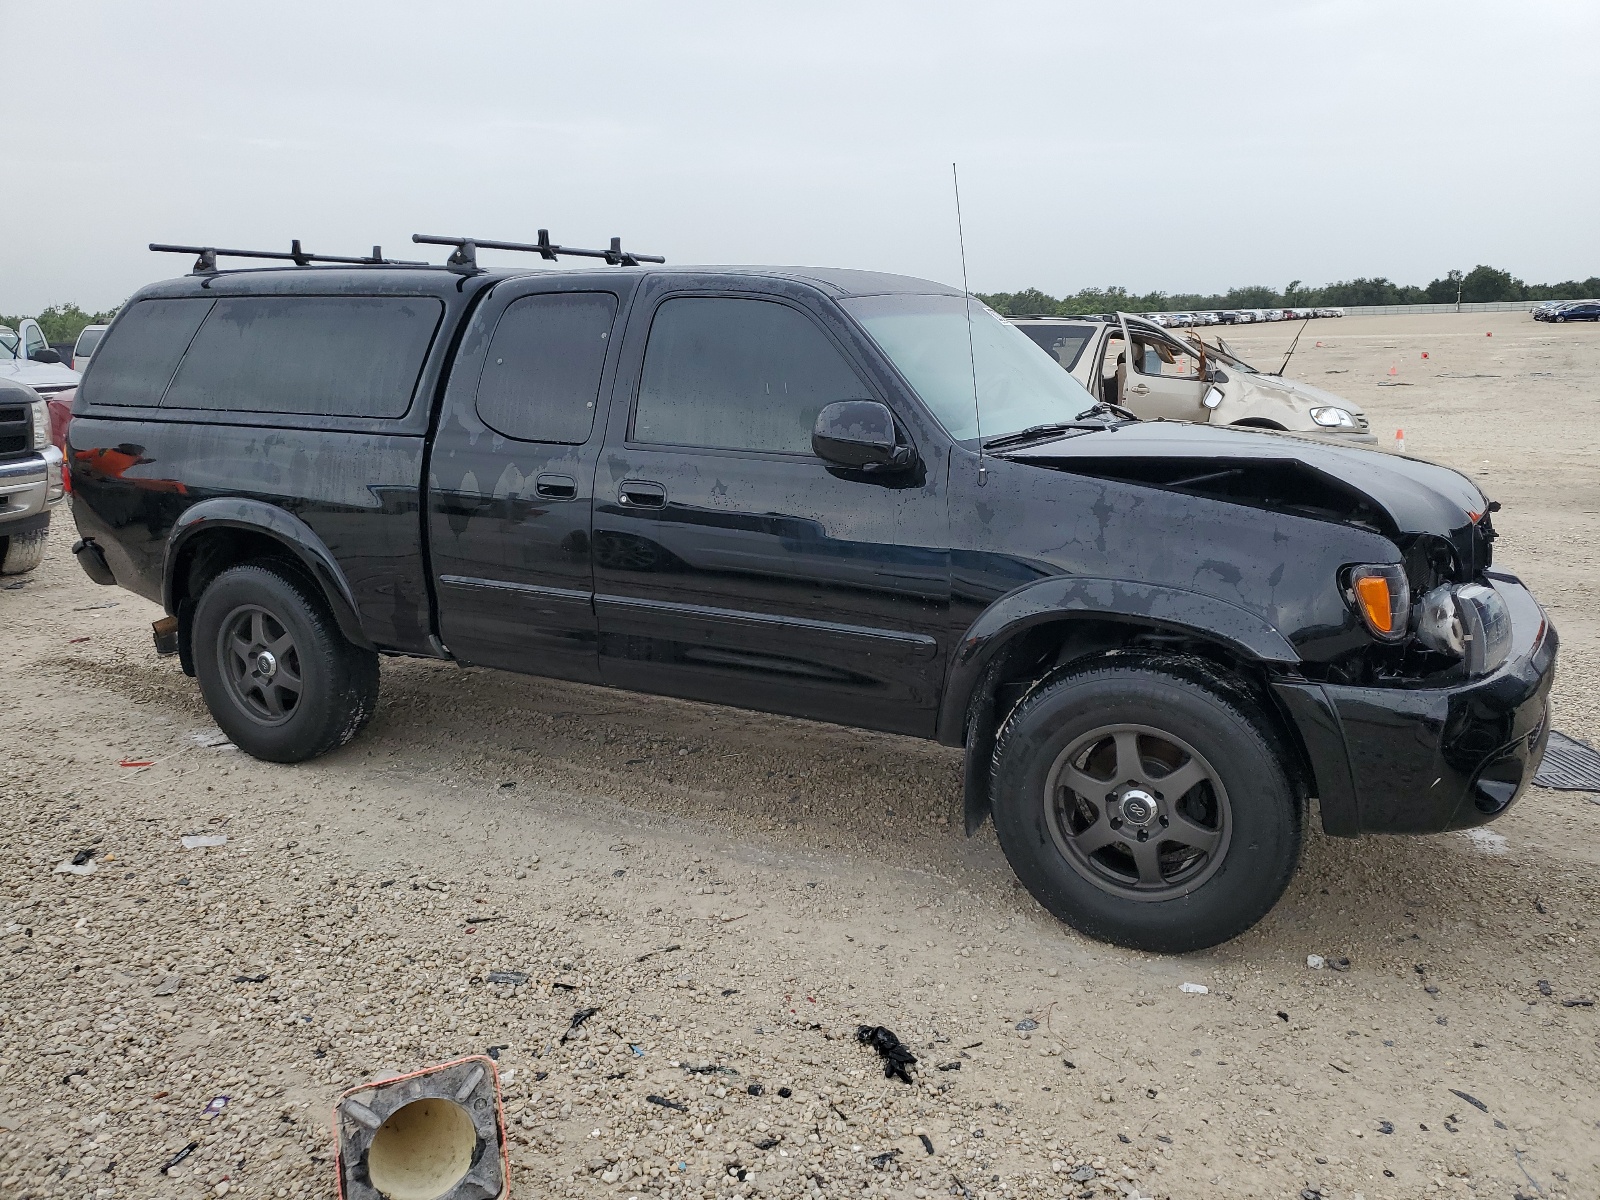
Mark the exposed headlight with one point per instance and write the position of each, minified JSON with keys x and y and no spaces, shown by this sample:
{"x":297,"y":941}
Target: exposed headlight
{"x":1470,"y":622}
{"x":1333,"y":418}
{"x":1382,"y":595}
{"x":41,"y":424}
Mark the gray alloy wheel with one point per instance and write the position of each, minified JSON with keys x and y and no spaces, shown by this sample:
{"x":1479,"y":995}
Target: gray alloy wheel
{"x":260,"y":664}
{"x":1138,"y":812}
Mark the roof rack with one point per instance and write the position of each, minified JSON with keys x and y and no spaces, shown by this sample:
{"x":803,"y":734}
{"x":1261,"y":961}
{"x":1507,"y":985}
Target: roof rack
{"x":205,"y":262}
{"x":465,"y":257}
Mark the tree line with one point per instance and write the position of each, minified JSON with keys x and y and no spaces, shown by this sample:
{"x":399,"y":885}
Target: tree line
{"x":1479,"y":285}
{"x":64,"y":322}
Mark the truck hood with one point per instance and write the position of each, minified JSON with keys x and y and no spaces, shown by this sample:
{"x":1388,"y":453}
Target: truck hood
{"x":1391,"y":494}
{"x":1290,"y":389}
{"x":43,"y":378}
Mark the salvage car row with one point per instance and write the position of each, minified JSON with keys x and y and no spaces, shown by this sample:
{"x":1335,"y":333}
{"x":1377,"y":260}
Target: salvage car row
{"x":1238,"y":316}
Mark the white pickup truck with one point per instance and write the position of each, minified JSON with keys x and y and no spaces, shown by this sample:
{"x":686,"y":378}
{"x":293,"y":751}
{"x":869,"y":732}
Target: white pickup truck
{"x":31,"y":477}
{"x":26,"y":358}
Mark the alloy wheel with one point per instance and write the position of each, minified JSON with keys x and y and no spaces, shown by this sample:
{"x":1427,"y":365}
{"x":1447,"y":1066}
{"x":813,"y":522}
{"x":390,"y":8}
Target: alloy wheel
{"x":260,"y":664}
{"x":1138,"y":812}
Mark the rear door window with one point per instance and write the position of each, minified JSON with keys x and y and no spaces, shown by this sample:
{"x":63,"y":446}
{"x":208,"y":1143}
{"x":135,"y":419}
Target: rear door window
{"x":356,"y":356}
{"x":142,"y":352}
{"x":737,"y":374}
{"x":541,"y":380}
{"x":87,"y":341}
{"x":1064,"y":343}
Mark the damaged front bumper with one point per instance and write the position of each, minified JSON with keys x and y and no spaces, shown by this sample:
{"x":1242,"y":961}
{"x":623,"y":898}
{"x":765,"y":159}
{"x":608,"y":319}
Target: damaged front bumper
{"x":1428,"y":759}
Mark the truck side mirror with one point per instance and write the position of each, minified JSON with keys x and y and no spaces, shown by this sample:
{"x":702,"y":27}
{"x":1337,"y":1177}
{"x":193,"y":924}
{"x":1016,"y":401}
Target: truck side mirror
{"x":46,"y":355}
{"x":861,"y":435}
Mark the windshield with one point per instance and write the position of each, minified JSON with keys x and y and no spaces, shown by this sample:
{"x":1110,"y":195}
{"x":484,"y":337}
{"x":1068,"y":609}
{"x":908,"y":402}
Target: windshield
{"x":8,"y":340}
{"x":1019,"y":384}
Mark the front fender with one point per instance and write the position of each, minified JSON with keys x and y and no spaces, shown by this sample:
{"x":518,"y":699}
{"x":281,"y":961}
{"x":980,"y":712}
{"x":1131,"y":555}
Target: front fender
{"x":257,"y":516}
{"x":1049,"y":599}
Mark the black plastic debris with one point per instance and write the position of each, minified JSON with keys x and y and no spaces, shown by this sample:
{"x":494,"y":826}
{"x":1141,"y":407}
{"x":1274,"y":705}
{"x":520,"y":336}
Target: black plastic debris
{"x":1385,"y":1126}
{"x":1472,"y":1100}
{"x":1124,"y":1139}
{"x":896,"y":1057}
{"x":883,"y":1160}
{"x":785,"y":1093}
{"x":927,"y":1142}
{"x":578,"y":1018}
{"x":1338,"y":964}
{"x":494,"y":1051}
{"x":262,"y":978}
{"x":515,"y":978}
{"x":565,"y":987}
{"x":1163,"y":1139}
{"x":950,"y":1066}
{"x":1578,"y":1002}
{"x":82,"y":856}
{"x":755,"y":1089}
{"x":652,"y":1098}
{"x":180,"y":1156}
{"x":1430,"y":989}
{"x":1282,"y":1016}
{"x":1545,"y":989}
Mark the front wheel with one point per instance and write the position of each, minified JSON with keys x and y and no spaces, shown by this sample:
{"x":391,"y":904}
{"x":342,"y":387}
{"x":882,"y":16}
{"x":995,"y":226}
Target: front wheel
{"x":279,"y":677}
{"x":1146,"y":808}
{"x":22,"y":552}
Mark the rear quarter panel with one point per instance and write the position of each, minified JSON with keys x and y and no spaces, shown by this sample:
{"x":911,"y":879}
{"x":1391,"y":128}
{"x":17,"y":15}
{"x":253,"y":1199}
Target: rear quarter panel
{"x":133,"y":479}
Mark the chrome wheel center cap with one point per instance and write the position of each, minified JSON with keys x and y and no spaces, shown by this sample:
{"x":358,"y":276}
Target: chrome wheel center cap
{"x":1138,"y":807}
{"x":266,"y":664}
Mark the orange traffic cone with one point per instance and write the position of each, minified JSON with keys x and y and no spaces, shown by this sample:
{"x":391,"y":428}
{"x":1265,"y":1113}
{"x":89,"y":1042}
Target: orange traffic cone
{"x":1399,"y":441}
{"x":1394,"y":370}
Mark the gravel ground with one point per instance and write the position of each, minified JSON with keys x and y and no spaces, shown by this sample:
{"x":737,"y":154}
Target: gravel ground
{"x":735,"y":894}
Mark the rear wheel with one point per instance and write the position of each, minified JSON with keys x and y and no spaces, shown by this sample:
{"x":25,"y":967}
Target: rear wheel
{"x":279,"y":678}
{"x":1146,"y":808}
{"x":22,"y":552}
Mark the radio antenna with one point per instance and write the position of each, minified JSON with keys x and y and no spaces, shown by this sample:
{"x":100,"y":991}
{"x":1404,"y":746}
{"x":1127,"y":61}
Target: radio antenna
{"x":972,"y":357}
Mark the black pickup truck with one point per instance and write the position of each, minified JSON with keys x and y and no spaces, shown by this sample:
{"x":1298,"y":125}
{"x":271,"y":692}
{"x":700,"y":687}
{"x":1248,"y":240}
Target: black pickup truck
{"x":767,"y":487}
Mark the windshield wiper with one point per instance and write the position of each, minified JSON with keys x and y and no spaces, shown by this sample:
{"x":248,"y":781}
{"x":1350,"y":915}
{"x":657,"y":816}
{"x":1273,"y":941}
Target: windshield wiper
{"x":1034,"y":432}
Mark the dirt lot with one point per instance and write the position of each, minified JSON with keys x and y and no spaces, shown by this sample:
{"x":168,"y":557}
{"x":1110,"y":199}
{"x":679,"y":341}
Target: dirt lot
{"x":735,"y":893}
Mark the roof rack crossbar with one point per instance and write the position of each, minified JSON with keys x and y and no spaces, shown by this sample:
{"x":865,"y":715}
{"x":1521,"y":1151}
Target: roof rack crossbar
{"x":465,"y":256}
{"x":205,"y":262}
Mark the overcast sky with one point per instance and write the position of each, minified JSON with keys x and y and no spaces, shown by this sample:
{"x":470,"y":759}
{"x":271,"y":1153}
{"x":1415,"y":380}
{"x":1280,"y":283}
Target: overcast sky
{"x":1184,"y":146}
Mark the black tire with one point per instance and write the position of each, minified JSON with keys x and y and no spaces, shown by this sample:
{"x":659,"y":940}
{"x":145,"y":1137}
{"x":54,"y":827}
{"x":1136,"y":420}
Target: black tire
{"x":22,"y":552}
{"x":317,"y":692}
{"x":1118,"y":877}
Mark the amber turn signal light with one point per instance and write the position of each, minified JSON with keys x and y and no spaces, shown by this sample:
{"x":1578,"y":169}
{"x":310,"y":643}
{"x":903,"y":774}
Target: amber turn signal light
{"x":1382,"y":596}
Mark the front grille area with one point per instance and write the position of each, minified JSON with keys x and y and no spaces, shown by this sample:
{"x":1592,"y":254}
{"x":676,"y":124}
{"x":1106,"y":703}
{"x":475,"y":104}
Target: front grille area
{"x":16,"y":429}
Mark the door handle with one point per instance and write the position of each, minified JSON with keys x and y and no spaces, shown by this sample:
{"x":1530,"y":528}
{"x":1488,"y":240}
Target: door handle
{"x":1139,"y":389}
{"x":556,"y":487}
{"x":640,"y":493}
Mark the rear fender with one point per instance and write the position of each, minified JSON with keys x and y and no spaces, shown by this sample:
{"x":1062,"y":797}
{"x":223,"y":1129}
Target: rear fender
{"x":207,"y":518}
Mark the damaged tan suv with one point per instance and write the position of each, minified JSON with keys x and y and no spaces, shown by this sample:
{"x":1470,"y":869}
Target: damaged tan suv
{"x":1180,"y":377}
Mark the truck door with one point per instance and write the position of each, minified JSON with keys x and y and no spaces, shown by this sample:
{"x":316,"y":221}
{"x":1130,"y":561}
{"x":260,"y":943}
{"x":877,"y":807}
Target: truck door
{"x":510,"y":479}
{"x":1163,"y":378}
{"x":733,"y":565}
